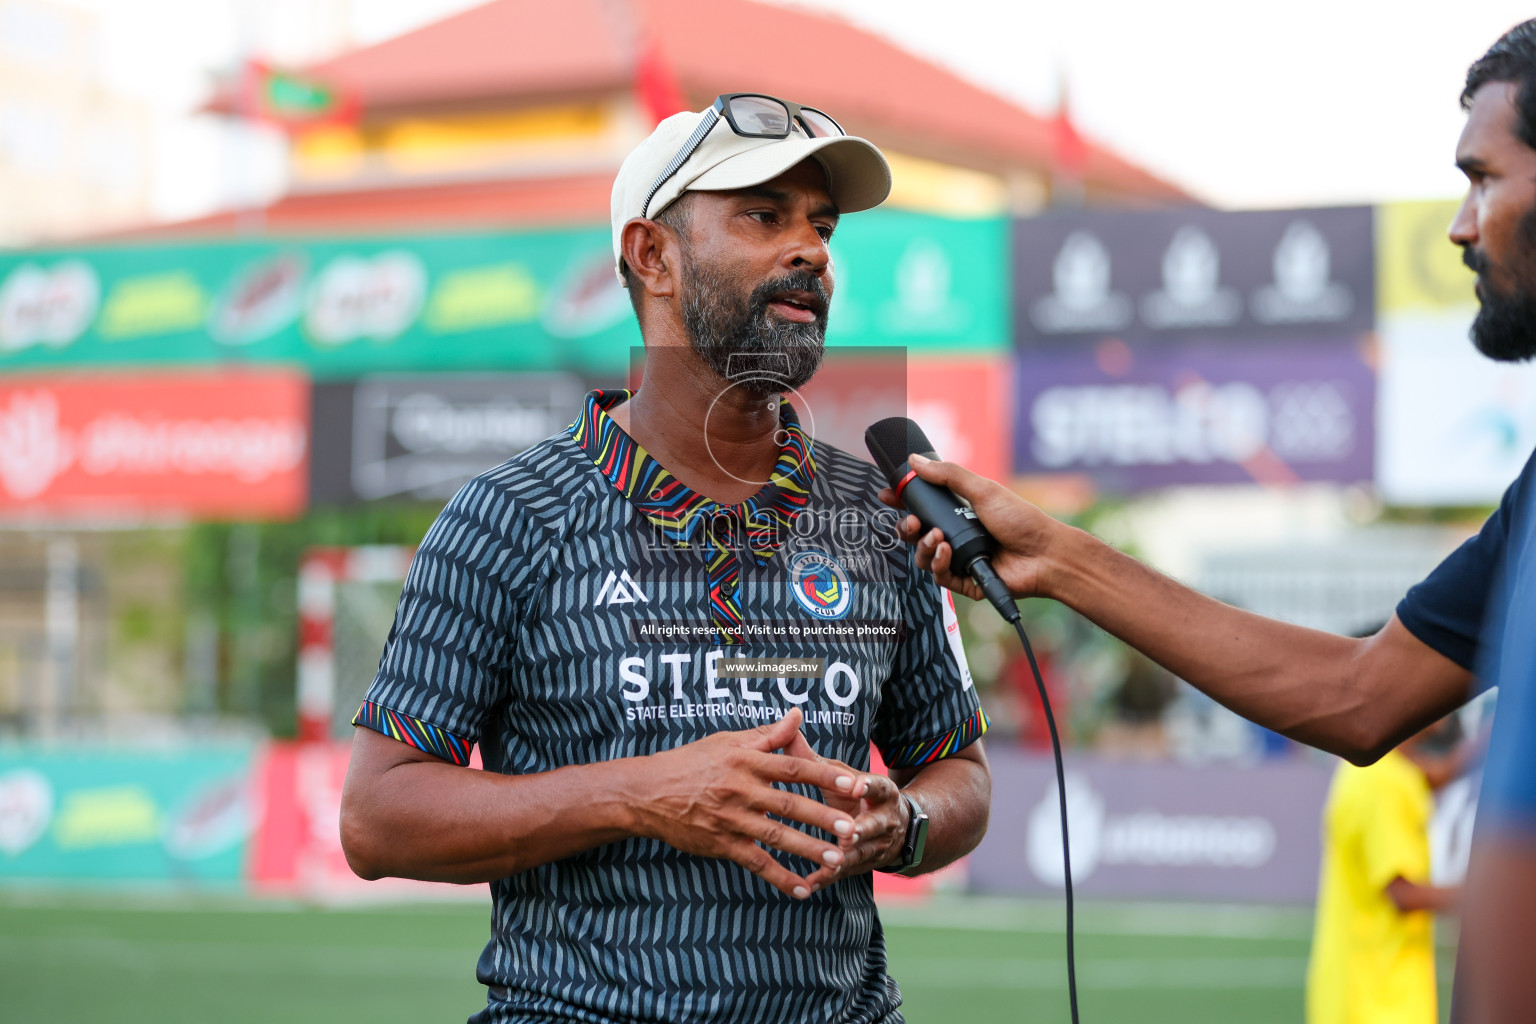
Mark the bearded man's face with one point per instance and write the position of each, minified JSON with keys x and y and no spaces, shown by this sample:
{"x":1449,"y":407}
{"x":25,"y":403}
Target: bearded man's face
{"x":1496,"y":224}
{"x":752,"y":268}
{"x":740,"y":335}
{"x":1505,"y":327}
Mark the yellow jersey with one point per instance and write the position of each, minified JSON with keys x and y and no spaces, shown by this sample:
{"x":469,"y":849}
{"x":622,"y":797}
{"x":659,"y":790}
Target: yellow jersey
{"x":1371,"y":963}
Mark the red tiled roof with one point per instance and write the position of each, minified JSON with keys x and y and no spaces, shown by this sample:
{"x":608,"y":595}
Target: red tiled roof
{"x":499,"y":50}
{"x":536,"y":50}
{"x":871,"y":86}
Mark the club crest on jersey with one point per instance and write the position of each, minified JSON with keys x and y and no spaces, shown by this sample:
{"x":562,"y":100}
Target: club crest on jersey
{"x":620,"y":588}
{"x":820,"y":584}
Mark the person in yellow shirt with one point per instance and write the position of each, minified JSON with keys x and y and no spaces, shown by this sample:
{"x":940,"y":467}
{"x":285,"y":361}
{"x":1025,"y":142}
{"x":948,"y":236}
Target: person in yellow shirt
{"x":1373,"y":947}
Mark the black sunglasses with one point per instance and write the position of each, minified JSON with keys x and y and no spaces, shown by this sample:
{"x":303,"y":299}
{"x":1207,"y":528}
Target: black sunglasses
{"x":750,"y":115}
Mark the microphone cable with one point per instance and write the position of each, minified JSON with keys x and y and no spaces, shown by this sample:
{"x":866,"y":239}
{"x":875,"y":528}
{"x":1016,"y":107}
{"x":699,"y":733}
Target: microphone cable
{"x":1061,"y":794}
{"x":893,"y":442}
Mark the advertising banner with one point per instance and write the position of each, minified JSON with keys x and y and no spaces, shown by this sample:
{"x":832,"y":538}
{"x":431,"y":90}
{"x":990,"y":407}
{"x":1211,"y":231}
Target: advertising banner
{"x":425,"y":436}
{"x":964,"y":406}
{"x":183,"y":816}
{"x":536,"y":300}
{"x":296,"y":848}
{"x":231,"y":444}
{"x":1454,"y":426}
{"x":853,"y":388}
{"x":298,"y":836}
{"x":1159,"y":416}
{"x":960,"y":401}
{"x":1418,"y":268}
{"x":1155,"y":830}
{"x":340,"y":307}
{"x":1233,"y":278}
{"x":924,"y":283}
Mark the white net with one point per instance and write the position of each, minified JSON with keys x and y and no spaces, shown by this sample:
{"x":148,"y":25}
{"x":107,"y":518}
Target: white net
{"x":364,"y":613}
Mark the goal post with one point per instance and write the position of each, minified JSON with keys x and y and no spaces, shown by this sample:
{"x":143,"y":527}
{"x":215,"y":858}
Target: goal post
{"x":347,"y":598}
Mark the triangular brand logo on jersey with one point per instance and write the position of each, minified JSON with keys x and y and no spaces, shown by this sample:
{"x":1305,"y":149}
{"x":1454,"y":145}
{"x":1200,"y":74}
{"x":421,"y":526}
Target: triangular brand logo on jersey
{"x":620,"y":588}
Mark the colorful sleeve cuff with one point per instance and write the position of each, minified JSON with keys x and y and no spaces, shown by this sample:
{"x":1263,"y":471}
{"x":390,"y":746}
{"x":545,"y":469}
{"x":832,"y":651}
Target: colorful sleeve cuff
{"x":413,"y":732}
{"x":927,"y":751}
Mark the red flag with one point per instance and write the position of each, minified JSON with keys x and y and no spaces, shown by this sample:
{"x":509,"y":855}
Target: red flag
{"x":1069,"y":153}
{"x":655,"y":85}
{"x":294,"y":102}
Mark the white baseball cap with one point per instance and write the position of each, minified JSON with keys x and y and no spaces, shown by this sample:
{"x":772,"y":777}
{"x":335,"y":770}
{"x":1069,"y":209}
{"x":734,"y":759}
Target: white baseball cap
{"x":857,"y":175}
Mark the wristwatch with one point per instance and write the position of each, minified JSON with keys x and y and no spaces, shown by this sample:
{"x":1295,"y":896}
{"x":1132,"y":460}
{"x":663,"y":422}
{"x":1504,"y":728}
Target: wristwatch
{"x":912,"y":846}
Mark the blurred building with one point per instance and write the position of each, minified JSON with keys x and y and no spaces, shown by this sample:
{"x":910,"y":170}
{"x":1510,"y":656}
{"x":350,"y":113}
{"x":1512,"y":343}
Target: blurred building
{"x":80,"y":154}
{"x":519,"y":112}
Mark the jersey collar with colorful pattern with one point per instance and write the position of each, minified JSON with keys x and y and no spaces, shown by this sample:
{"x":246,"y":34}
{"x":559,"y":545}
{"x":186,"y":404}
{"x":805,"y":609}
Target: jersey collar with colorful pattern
{"x":680,"y":512}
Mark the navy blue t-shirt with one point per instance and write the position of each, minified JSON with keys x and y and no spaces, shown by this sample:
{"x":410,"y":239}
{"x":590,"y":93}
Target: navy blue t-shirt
{"x":1447,"y":610}
{"x":1478,"y":608}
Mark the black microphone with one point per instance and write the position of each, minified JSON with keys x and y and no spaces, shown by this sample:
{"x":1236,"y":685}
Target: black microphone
{"x":892,"y":442}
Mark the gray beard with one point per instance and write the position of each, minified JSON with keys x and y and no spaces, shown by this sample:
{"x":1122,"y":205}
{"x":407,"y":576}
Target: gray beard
{"x":742,"y":342}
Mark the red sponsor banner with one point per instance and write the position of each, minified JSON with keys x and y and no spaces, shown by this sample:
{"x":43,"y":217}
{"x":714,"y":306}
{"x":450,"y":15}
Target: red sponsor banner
{"x":962,"y":404}
{"x":215,"y":445}
{"x":297,"y":846}
{"x":854,"y":388}
{"x":296,"y":849}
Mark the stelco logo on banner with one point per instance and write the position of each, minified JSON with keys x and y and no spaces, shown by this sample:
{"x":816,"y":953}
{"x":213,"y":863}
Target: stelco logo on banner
{"x":1158,"y":417}
{"x":1181,"y":347}
{"x":186,"y":444}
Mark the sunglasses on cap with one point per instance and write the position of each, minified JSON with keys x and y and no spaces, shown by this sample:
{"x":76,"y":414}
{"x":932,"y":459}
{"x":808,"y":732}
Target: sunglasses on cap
{"x":750,"y":115}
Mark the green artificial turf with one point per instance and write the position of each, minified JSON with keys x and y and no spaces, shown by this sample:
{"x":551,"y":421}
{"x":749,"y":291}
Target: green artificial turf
{"x":117,"y":959}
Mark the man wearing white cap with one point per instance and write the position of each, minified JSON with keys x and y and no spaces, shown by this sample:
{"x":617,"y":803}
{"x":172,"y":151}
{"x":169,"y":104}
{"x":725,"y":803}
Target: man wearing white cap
{"x":674,"y":630}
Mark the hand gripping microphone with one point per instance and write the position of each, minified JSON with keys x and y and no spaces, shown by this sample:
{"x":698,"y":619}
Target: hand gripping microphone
{"x":892,"y":442}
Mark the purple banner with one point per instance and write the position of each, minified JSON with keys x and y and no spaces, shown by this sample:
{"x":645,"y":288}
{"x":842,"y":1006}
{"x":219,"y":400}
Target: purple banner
{"x":1151,"y":831}
{"x":1189,"y":273}
{"x":1156,"y":416}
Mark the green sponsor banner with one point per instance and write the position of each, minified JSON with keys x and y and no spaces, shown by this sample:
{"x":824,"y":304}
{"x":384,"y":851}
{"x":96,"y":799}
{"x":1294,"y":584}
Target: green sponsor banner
{"x":107,"y":815}
{"x":340,"y":308}
{"x":539,"y":300}
{"x":921,"y":282}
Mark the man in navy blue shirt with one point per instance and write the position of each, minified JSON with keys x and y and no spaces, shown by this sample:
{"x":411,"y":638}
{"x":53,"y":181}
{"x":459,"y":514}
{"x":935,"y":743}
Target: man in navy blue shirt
{"x":1476,"y":613}
{"x":674,"y":630}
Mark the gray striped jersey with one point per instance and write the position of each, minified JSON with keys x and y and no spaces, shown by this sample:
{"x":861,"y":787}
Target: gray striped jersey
{"x":550,"y":619}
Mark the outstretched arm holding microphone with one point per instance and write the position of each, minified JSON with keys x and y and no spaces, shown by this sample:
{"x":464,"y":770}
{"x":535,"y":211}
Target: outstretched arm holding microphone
{"x":1354,"y":697}
{"x":1361,"y":697}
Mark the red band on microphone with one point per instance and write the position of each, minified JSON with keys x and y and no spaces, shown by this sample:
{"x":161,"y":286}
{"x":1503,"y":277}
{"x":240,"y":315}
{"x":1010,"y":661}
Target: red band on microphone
{"x":904,"y":481}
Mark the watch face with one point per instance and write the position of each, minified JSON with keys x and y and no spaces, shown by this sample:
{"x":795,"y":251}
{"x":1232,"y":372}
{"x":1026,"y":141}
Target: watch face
{"x":917,"y":837}
{"x":913,"y":842}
